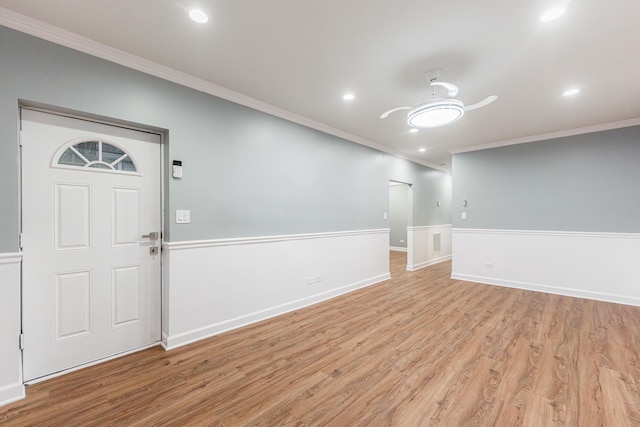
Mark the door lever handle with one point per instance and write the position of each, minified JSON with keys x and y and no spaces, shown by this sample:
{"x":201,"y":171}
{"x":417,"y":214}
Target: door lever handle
{"x":151,"y":236}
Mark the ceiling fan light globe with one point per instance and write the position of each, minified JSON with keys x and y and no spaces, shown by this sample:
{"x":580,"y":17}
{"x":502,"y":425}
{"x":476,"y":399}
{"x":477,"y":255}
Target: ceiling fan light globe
{"x":434,"y":114}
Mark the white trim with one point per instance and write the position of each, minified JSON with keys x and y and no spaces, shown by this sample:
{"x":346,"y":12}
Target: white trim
{"x":11,"y":393}
{"x":74,"y":41}
{"x":424,"y":264}
{"x":551,"y":135}
{"x":397,"y":248}
{"x":10,"y":258}
{"x":596,"y":234}
{"x":189,"y":337}
{"x":428,"y":227}
{"x":569,"y":292}
{"x":266,"y":239}
{"x":165,"y":339}
{"x":86,"y":365}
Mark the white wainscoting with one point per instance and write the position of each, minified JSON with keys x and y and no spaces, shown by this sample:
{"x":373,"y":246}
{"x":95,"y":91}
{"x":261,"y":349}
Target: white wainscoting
{"x":217,"y":285}
{"x":422,"y":243}
{"x":600,"y":266}
{"x":11,"y":387}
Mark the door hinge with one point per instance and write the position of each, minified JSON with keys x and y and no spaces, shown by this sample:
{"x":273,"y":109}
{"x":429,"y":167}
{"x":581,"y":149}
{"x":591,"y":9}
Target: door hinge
{"x":20,"y":241}
{"x":20,"y":138}
{"x":21,"y":341}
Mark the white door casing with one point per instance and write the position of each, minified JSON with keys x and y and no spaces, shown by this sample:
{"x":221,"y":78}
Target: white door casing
{"x":91,"y":287}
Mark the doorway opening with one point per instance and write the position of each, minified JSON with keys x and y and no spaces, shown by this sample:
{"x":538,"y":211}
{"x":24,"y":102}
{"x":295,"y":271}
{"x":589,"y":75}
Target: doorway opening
{"x":400,"y":217}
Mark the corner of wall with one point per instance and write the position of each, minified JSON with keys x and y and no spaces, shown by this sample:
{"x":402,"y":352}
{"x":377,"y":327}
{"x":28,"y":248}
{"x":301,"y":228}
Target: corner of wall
{"x":428,"y":245}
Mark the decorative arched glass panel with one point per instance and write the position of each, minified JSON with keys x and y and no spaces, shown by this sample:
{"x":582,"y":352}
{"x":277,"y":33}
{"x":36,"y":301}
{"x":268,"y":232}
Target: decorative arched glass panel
{"x":97,"y":155}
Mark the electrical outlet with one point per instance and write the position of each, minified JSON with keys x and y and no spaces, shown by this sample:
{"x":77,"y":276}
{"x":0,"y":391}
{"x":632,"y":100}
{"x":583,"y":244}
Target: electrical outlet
{"x":313,"y":280}
{"x":488,"y":265}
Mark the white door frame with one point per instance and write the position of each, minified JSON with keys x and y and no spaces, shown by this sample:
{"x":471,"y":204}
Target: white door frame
{"x":109,"y":122}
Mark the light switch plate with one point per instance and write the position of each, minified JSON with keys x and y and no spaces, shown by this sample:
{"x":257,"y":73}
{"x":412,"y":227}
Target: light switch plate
{"x":183,"y":216}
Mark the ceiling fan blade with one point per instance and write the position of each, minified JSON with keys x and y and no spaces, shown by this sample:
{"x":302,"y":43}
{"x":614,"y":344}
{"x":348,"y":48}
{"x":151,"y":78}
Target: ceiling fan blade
{"x":488,"y":100}
{"x":452,"y":89}
{"x":393,"y":110}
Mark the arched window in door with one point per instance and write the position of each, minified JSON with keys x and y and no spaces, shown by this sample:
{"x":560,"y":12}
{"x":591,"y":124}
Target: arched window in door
{"x":95,"y":154}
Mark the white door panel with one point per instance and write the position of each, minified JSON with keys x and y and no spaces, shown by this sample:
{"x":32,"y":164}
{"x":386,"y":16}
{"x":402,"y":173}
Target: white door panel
{"x":126,"y":294}
{"x":72,"y":213}
{"x":72,"y":304}
{"x":91,"y":288}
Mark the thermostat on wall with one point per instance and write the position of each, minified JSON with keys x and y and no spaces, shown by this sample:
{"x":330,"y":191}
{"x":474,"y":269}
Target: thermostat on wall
{"x":177,"y":169}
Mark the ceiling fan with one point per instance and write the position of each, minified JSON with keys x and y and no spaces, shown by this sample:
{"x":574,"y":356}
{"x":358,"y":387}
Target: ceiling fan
{"x":438,"y":111}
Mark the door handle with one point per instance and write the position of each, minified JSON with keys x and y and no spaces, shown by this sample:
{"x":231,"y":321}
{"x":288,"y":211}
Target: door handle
{"x":151,"y":236}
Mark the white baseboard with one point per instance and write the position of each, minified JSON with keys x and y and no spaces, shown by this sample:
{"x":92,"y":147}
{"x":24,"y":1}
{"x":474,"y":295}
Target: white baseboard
{"x":569,"y":292}
{"x":171,"y":342}
{"x":11,"y":393}
{"x":424,"y":264}
{"x":164,"y":342}
{"x":397,"y":248}
{"x":598,"y":266}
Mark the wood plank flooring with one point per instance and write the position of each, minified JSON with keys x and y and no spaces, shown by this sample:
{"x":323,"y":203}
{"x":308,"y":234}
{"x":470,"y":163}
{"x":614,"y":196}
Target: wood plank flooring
{"x":417,"y":350}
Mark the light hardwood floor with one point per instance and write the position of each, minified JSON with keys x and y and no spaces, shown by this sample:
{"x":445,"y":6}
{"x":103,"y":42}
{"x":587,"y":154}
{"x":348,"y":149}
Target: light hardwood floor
{"x":417,"y":350}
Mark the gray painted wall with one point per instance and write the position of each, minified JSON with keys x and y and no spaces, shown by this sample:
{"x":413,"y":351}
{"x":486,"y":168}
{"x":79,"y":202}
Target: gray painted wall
{"x":246,"y":173}
{"x":587,"y":182}
{"x":398,"y":215}
{"x":428,"y":187}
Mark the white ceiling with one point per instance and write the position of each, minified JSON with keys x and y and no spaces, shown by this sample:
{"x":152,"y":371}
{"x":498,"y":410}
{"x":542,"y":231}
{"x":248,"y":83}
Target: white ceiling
{"x":303,"y":55}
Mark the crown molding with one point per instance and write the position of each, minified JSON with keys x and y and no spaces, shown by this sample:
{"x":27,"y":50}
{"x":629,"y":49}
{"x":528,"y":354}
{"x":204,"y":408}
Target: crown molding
{"x":83,"y":44}
{"x":551,"y":135}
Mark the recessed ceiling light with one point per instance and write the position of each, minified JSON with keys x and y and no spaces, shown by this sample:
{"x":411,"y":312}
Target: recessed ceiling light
{"x":413,"y":130}
{"x":552,"y":14}
{"x":422,"y":150}
{"x":571,"y":92}
{"x":196,"y":14}
{"x":348,"y":97}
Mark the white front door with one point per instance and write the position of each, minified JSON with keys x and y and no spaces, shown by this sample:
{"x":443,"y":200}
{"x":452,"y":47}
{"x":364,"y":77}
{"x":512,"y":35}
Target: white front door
{"x":90,"y":201}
